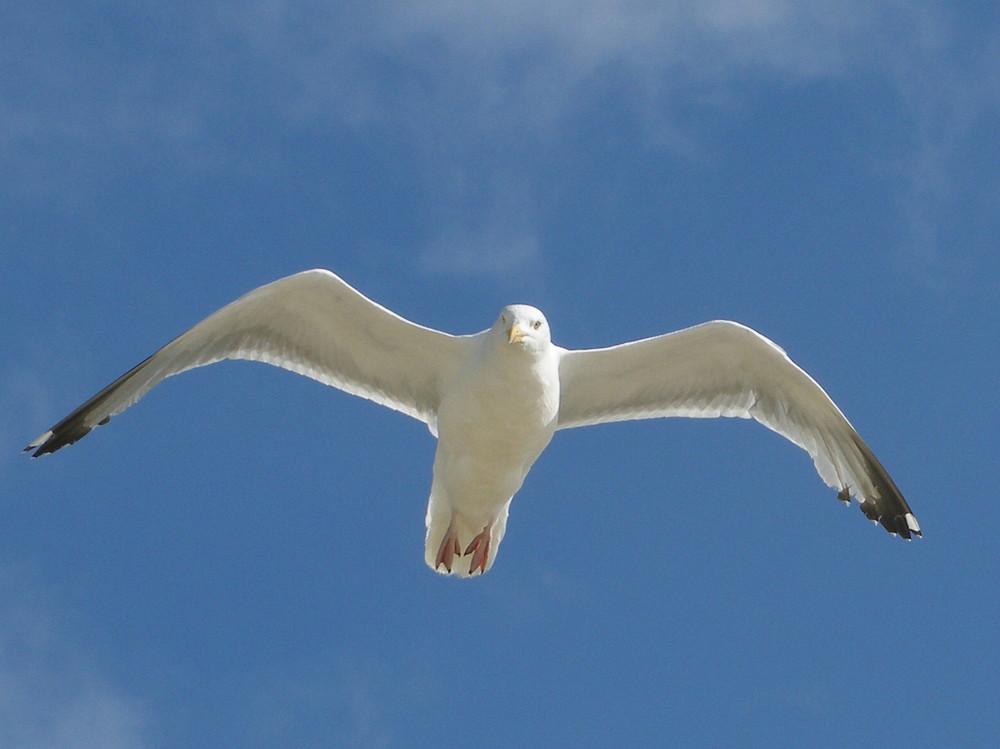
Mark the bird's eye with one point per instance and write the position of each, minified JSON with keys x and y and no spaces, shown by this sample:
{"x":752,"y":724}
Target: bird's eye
{"x":538,"y":324}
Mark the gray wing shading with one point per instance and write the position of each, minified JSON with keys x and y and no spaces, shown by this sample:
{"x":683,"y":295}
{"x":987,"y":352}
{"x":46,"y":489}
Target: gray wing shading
{"x":312,"y":323}
{"x":723,"y":368}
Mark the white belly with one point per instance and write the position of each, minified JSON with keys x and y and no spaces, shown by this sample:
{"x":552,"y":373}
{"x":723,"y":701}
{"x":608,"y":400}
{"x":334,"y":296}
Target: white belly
{"x":497,"y":415}
{"x":492,"y":426}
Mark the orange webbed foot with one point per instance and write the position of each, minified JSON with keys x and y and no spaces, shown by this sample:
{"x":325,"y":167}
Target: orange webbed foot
{"x":480,"y":550}
{"x":449,"y":549}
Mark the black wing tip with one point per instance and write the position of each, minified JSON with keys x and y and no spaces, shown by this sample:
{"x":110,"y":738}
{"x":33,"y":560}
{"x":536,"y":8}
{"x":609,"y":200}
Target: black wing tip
{"x":40,"y":446}
{"x":48,"y":446}
{"x":78,"y":424}
{"x":888,"y":507}
{"x":39,"y":449}
{"x":59,"y":437}
{"x":904,"y":526}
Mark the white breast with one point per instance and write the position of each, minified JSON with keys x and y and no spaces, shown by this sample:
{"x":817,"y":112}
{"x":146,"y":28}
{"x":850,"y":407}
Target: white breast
{"x":498,"y":416}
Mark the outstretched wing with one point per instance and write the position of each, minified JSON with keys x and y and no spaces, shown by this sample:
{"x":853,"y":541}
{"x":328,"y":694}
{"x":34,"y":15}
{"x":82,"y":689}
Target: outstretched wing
{"x":723,"y":368}
{"x":312,"y":323}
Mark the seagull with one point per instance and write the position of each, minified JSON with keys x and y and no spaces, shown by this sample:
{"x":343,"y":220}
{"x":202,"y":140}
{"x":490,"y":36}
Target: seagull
{"x":495,"y":399}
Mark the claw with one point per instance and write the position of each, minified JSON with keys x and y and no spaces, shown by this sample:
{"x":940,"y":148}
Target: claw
{"x":480,"y":550}
{"x":448,"y":551}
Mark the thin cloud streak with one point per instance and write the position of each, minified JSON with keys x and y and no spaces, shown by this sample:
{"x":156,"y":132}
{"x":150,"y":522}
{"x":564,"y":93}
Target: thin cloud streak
{"x":473,"y":72}
{"x":353,"y":693}
{"x":50,"y":693}
{"x":948,"y":111}
{"x":480,"y":88}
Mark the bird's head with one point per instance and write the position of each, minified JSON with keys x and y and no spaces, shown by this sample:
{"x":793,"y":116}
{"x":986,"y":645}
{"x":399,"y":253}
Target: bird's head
{"x":523,"y":326}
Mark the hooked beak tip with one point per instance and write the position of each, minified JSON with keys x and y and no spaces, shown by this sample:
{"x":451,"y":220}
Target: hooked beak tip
{"x":515,"y":333}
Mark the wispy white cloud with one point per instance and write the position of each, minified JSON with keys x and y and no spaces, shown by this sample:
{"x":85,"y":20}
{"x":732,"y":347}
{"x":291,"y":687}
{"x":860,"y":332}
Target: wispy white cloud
{"x":51,"y":694}
{"x":452,"y":74}
{"x":488,"y":226}
{"x":481,"y":88}
{"x":348,"y":698}
{"x":492,"y":250}
{"x":946,"y":186}
{"x":519,"y":72}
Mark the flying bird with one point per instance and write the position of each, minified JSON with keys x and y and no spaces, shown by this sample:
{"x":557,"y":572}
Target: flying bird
{"x":495,"y":399}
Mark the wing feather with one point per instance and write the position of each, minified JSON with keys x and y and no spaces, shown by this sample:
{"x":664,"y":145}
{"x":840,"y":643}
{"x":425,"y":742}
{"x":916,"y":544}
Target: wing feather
{"x":312,"y":323}
{"x":722,"y":368}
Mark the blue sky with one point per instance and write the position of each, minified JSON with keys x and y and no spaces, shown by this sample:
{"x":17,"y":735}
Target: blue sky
{"x":237,"y":561}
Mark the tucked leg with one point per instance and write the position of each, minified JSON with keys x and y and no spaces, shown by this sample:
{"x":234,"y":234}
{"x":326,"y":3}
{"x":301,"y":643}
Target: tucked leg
{"x":480,"y":550}
{"x":449,"y":548}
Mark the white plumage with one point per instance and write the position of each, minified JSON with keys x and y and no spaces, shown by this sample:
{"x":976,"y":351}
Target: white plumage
{"x":495,"y":399}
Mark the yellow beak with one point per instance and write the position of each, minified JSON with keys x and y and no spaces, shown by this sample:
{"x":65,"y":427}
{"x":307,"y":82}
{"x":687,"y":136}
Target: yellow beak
{"x":515,"y":333}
